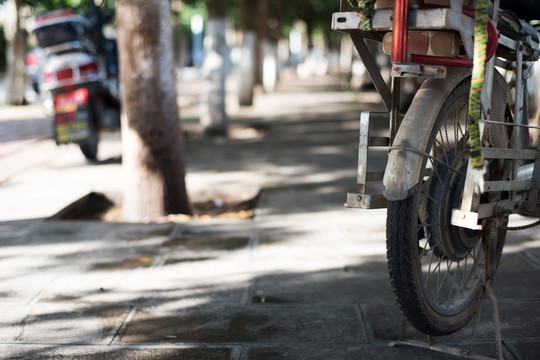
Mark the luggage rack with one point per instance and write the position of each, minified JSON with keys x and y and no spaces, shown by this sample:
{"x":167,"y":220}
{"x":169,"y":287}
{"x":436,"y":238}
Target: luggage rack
{"x":372,"y":160}
{"x":429,"y":18}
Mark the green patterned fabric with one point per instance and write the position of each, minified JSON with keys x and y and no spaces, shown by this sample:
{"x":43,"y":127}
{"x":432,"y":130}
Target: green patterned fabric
{"x":365,"y":9}
{"x":477,"y":82}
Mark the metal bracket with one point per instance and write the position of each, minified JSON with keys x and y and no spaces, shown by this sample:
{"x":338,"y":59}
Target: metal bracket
{"x":372,"y":68}
{"x":417,"y":70}
{"x":366,"y":201}
{"x":430,"y":345}
{"x":474,"y":187}
{"x":343,"y":21}
{"x":373,"y":145}
{"x":465,"y":219}
{"x":445,"y":349}
{"x":532,"y":197}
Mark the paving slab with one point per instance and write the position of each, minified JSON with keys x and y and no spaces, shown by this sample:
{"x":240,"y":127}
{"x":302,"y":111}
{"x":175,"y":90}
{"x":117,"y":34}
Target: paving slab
{"x":246,"y":324}
{"x":11,"y":321}
{"x":16,"y":229}
{"x":351,"y":352}
{"x":338,"y":286}
{"x":69,"y":324}
{"x":524,"y":349}
{"x":55,"y":352}
{"x":146,"y":287}
{"x":304,"y":278}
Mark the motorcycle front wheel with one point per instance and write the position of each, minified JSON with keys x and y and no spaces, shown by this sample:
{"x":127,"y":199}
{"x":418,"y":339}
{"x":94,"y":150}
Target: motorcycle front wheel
{"x":436,"y":268}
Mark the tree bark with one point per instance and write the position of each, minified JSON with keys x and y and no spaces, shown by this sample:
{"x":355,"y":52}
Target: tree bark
{"x":153,"y":151}
{"x":246,"y":72}
{"x":16,"y":52}
{"x":262,"y":38}
{"x":213,"y":114}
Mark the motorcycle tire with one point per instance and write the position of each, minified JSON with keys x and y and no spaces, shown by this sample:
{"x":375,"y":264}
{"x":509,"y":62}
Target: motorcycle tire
{"x":89,"y":147}
{"x":436,"y":269}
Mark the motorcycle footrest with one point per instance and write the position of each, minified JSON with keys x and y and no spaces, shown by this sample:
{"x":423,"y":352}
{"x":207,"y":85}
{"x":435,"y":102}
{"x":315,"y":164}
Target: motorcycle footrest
{"x":366,"y":201}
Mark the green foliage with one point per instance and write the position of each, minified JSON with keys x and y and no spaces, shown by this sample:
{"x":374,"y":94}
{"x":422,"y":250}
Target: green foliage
{"x":190,"y":9}
{"x":316,"y":13}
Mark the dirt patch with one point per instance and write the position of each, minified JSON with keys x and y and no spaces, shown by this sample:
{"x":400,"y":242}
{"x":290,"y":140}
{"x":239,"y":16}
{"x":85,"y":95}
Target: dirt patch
{"x":126,"y":264}
{"x":225,"y":208}
{"x":188,"y":260}
{"x":204,"y":242}
{"x":194,"y":328}
{"x":96,"y":206}
{"x":261,"y":299}
{"x":251,"y":131}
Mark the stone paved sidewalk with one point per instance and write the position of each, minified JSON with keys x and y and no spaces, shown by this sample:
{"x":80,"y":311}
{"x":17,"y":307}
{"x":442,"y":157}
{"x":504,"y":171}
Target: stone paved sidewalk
{"x":304,"y":278}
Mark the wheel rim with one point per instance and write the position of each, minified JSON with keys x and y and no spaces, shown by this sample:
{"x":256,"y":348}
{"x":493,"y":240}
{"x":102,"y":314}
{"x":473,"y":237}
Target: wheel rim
{"x":449,"y":258}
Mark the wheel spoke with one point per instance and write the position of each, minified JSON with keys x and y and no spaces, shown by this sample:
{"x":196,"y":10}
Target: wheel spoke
{"x":440,"y":282}
{"x":433,"y":200}
{"x":451,"y":280}
{"x":452,"y":285}
{"x":435,"y":172}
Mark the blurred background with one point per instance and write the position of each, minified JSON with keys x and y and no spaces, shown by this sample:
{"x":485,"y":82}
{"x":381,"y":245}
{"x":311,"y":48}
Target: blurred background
{"x":264,"y":39}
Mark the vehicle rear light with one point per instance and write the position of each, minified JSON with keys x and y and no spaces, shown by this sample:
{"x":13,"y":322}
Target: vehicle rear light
{"x":49,"y":77}
{"x":32,"y":60}
{"x":52,"y":77}
{"x":89,"y":69}
{"x":71,"y":73}
{"x":64,"y":74}
{"x":432,"y":43}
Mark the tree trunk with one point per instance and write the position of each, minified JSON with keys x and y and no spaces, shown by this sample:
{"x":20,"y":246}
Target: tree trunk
{"x":16,"y":52}
{"x":262,"y":38}
{"x":246,"y":71}
{"x":213,"y":114}
{"x":153,"y":151}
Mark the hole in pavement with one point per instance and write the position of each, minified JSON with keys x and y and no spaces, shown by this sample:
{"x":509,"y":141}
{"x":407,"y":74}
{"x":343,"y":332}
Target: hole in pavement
{"x":90,"y":207}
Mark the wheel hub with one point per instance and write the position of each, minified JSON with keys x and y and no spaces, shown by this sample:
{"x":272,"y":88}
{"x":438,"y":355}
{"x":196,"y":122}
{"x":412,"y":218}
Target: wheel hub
{"x":447,"y":240}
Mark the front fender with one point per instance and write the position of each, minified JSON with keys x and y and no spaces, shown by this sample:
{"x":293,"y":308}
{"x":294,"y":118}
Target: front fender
{"x":403,"y":168}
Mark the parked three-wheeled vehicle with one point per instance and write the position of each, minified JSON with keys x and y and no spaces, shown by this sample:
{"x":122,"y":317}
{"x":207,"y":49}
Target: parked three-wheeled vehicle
{"x":78,"y":81}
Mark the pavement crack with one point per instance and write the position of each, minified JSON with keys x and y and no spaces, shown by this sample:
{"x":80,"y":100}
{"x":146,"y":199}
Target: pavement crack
{"x":120,"y":329}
